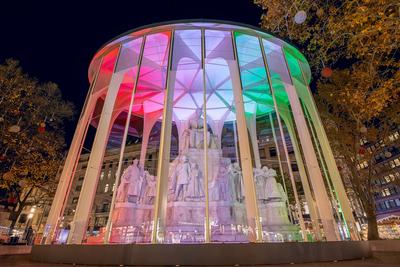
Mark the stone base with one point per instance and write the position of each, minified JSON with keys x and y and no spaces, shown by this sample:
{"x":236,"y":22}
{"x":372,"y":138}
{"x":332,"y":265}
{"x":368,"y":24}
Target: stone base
{"x":185,"y":221}
{"x":202,"y":254}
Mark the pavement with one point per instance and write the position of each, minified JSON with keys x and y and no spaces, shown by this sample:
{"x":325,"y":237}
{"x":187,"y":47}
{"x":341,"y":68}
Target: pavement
{"x":386,"y":259}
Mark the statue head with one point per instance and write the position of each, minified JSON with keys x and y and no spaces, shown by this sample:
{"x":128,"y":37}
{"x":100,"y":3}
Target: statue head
{"x":269,"y":172}
{"x":236,"y":166}
{"x":265,"y":169}
{"x":193,"y":123}
{"x":185,"y":159}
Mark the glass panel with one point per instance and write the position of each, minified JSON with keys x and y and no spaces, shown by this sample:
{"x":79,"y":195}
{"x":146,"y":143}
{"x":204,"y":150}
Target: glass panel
{"x":98,"y":217}
{"x":132,"y":220}
{"x":227,"y":210}
{"x":271,"y":173}
{"x":304,"y":207}
{"x":186,"y":199}
{"x":106,"y":186}
{"x":339,"y":217}
{"x":106,"y":70}
{"x":71,"y":201}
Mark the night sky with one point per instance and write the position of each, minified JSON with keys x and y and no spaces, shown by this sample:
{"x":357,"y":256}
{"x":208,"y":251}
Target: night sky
{"x":55,"y":41}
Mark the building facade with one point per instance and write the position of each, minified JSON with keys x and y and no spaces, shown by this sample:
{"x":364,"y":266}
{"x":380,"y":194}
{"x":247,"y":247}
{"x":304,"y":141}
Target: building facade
{"x":388,"y":199}
{"x":231,"y":145}
{"x":105,"y":189}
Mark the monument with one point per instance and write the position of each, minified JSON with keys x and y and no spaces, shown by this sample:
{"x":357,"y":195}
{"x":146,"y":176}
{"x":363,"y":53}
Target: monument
{"x":228,"y":144}
{"x":186,"y":197}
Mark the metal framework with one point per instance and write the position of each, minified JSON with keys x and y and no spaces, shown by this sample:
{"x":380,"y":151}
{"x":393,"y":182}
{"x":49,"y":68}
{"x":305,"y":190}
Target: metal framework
{"x":211,"y":97}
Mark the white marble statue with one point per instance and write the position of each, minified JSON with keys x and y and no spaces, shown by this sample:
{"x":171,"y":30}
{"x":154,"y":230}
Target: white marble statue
{"x":196,"y":134}
{"x":186,"y":135}
{"x":219,"y":187}
{"x":182,"y":177}
{"x":235,"y":176}
{"x":260,"y":181}
{"x":150,"y":192}
{"x":130,"y":183}
{"x":142,"y":186}
{"x":195,"y":190}
{"x":271,"y":186}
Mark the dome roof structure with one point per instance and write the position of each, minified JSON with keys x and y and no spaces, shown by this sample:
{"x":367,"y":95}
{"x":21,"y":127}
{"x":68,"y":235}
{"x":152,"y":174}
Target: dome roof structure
{"x":188,"y":89}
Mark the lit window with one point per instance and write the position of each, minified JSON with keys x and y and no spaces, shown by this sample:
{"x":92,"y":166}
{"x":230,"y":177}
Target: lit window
{"x":106,"y":188}
{"x":386,"y":192}
{"x":362,"y":165}
{"x":113,"y":187}
{"x":101,"y":176}
{"x":394,"y":136}
{"x":389,"y":178}
{"x":396,"y":162}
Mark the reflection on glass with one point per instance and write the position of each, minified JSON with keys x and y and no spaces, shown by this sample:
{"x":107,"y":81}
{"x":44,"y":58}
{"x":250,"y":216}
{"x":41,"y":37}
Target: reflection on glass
{"x":132,"y":218}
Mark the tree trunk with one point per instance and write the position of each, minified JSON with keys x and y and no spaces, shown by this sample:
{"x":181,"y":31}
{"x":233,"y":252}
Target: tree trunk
{"x":15,"y":215}
{"x":373,"y":233}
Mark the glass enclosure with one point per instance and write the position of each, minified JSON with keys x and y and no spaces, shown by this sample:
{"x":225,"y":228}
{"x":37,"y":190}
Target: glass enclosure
{"x":200,"y":132}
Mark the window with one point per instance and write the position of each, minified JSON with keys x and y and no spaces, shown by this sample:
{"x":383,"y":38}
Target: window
{"x":102,"y":175}
{"x":272,"y":152}
{"x":394,"y":136}
{"x":394,"y":163}
{"x":113,"y":188}
{"x":295,"y":168}
{"x":386,"y":192}
{"x":388,"y":178}
{"x":362,"y":165}
{"x":74,"y":200}
{"x":81,"y":178}
{"x":363,"y":141}
{"x":106,"y":188}
{"x":306,"y":209}
{"x":397,"y":162}
{"x":397,"y":201}
{"x":78,"y":188}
